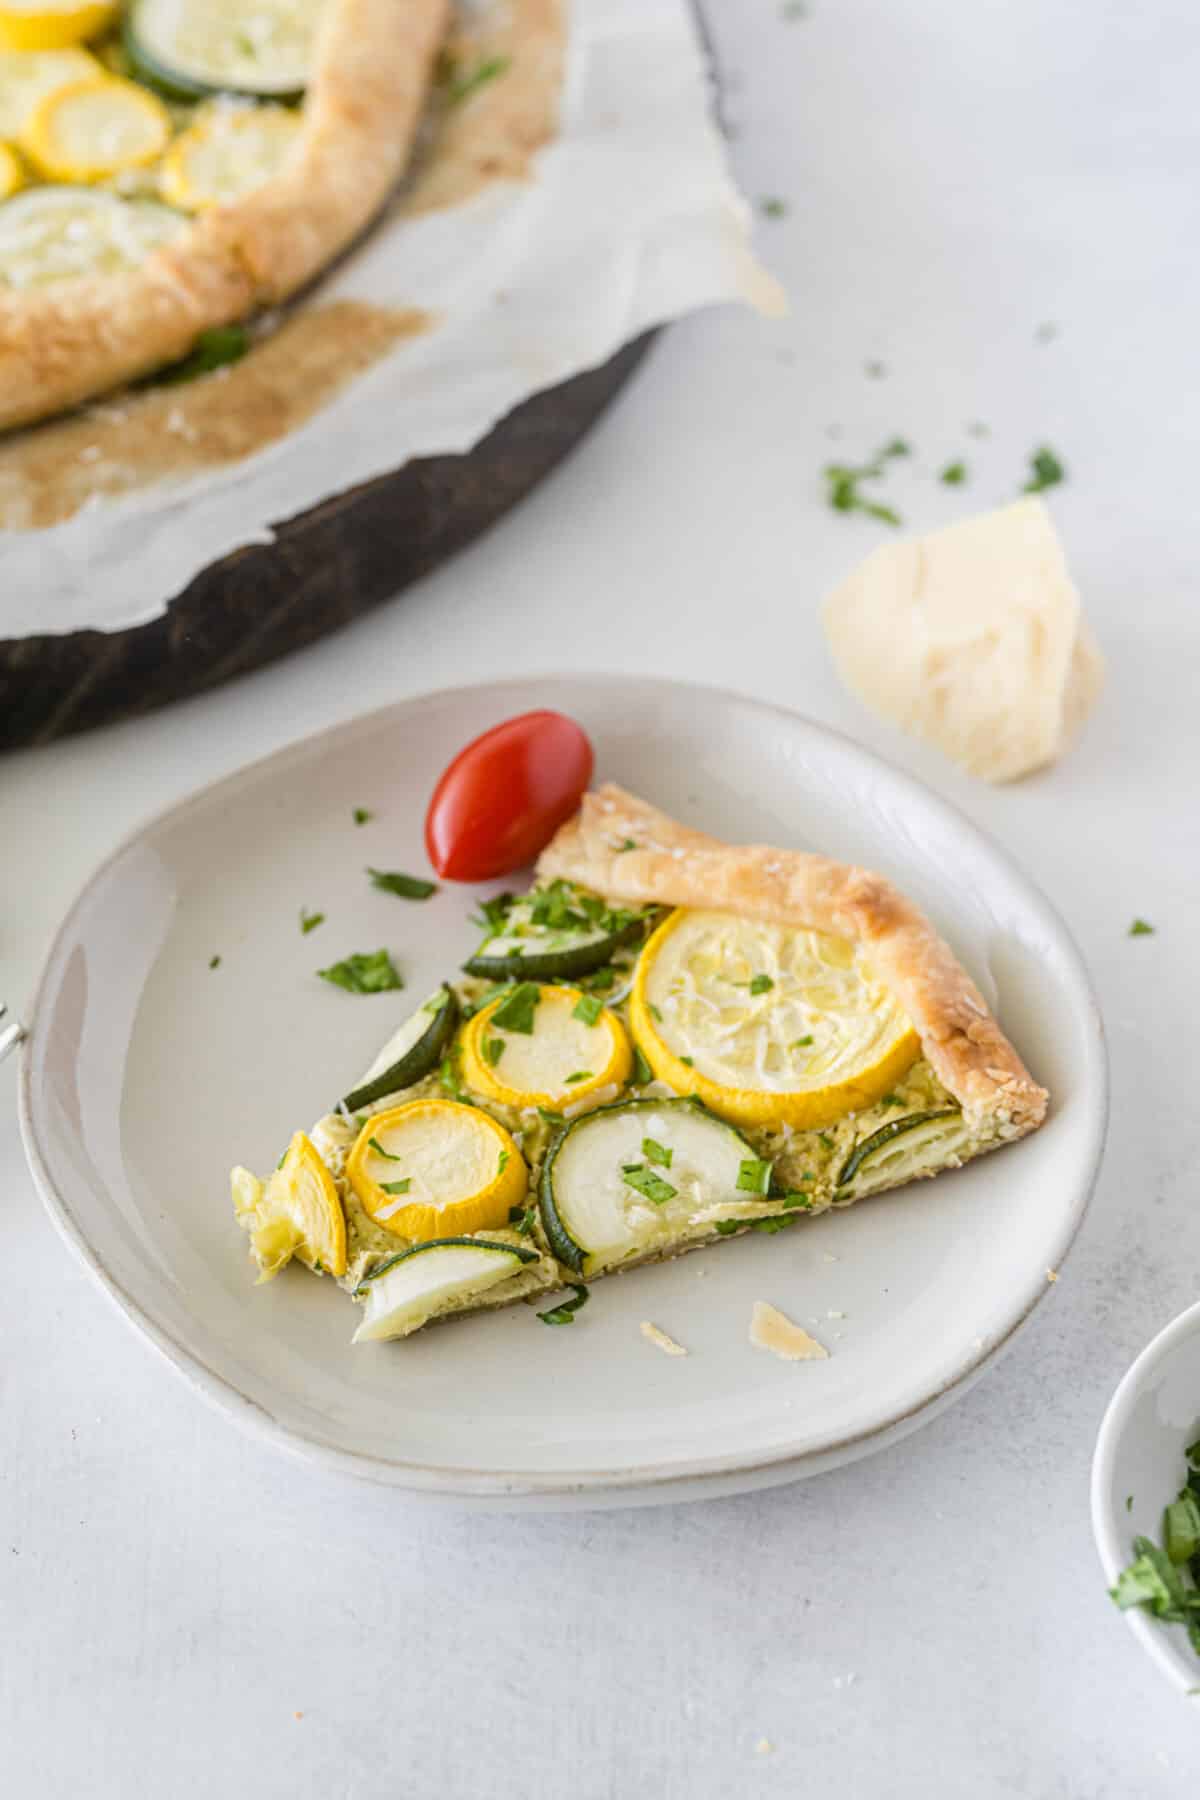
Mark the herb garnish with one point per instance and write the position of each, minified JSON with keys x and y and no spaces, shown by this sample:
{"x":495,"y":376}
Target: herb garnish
{"x":875,"y":371}
{"x":551,"y":1117}
{"x":844,"y":480}
{"x":588,"y":1008}
{"x":826,"y":1139}
{"x":213,"y":349}
{"x":214,"y":962}
{"x":657,"y":1153}
{"x":602,"y":980}
{"x":754,"y":1175}
{"x":492,"y":913}
{"x":761,"y":984}
{"x":361,"y":815}
{"x":690,"y":1061}
{"x":515,"y":1013}
{"x":493,"y":1050}
{"x":773,"y":207}
{"x":644,"y":1181}
{"x":521,"y":1218}
{"x":799,"y":1043}
{"x":777,"y":1222}
{"x":364,"y":973}
{"x":629,"y":844}
{"x":642,"y":1072}
{"x":310,"y":921}
{"x":448,"y":1078}
{"x":565,"y":1314}
{"x":1164,"y":1581}
{"x":954,"y":474}
{"x":461,"y":86}
{"x":654,"y":1012}
{"x":579,"y":1075}
{"x":1140,"y":928}
{"x":374,"y":1144}
{"x":1047,"y":471}
{"x":408,"y":887}
{"x":503,"y":1163}
{"x":397,"y":1187}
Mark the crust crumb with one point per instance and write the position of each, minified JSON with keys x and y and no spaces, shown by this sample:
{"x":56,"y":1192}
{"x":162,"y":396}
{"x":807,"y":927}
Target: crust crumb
{"x":660,"y":1340}
{"x":774,"y":1331}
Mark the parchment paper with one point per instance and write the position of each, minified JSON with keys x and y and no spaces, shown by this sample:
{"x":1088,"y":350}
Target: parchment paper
{"x":630,"y":219}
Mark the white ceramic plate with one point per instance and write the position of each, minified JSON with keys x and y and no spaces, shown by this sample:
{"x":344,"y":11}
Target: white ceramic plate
{"x":1152,"y":1417}
{"x":147,"y":1074}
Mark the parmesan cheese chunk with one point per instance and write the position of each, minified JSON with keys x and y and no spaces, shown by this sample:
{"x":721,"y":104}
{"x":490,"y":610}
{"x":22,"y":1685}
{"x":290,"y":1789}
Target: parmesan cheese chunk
{"x":774,"y":1331}
{"x":660,"y":1340}
{"x":972,"y":638}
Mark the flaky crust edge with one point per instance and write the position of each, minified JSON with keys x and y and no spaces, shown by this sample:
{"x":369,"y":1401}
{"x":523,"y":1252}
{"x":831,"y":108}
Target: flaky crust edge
{"x":672,"y":865}
{"x":72,"y":340}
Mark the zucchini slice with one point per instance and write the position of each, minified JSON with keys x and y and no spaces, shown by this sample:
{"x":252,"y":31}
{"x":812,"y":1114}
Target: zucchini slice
{"x":192,"y":49}
{"x":415,"y":1050}
{"x":445,"y":1275}
{"x":556,"y":933}
{"x":896,"y":1151}
{"x":643,"y":1177}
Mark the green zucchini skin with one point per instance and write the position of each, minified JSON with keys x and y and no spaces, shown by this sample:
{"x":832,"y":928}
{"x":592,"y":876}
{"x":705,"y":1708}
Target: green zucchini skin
{"x":555,"y":965}
{"x":886,"y":1134}
{"x":522,"y":1256}
{"x":173,"y":84}
{"x":424,"y":1056}
{"x":561,"y":1243}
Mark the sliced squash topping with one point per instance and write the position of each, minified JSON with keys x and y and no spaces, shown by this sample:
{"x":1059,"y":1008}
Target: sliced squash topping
{"x":295,"y":1212}
{"x":436,"y":1168}
{"x":35,"y":25}
{"x":228,"y":153}
{"x":545,"y":1046}
{"x":94,"y":128}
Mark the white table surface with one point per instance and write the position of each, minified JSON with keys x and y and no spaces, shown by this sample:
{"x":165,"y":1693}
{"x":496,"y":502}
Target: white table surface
{"x":186,"y":1613}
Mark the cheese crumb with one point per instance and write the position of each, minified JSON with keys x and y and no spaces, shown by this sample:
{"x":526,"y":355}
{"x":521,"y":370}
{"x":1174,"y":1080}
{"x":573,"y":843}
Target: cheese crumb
{"x":1051,"y":1274}
{"x":660,"y":1340}
{"x":774,"y":1331}
{"x":974,"y":639}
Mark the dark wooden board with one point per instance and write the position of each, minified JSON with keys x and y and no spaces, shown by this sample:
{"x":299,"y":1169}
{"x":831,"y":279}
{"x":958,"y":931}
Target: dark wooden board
{"x":326,"y":567}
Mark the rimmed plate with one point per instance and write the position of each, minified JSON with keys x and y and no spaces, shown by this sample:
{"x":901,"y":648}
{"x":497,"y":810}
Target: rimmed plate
{"x":148,"y":1072}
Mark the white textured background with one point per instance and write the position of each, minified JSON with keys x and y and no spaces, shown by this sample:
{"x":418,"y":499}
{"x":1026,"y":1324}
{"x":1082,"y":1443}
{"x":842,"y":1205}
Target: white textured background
{"x":172,"y":1595}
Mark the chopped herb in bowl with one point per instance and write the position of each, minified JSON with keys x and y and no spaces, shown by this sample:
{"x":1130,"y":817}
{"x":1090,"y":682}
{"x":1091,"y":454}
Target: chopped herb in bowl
{"x":1164,"y":1580}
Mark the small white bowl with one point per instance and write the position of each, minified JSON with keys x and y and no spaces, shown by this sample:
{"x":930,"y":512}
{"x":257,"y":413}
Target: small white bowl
{"x":1152,"y":1417}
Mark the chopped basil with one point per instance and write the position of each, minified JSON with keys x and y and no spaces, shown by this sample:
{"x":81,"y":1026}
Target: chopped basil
{"x":954,"y":474}
{"x":644,"y":1181}
{"x":551,"y":1117}
{"x":516,"y":1012}
{"x":727,"y":1227}
{"x":503,"y":1163}
{"x":688,"y":1060}
{"x":603,"y":980}
{"x":214,"y":962}
{"x":628,"y":844}
{"x":761,"y":984}
{"x":1047,"y":471}
{"x":656,"y":1153}
{"x":374,"y":1144}
{"x":397,"y":1187}
{"x":213,"y":349}
{"x":772,"y":1225}
{"x":579,"y":1075}
{"x":792,"y":1199}
{"x":492,"y":913}
{"x":493,"y":1050}
{"x":361,"y":815}
{"x":364,"y":973}
{"x":462,"y":86}
{"x":448,"y":1079}
{"x":1129,"y":1503}
{"x":773,"y":208}
{"x":754,"y":1175}
{"x":642,"y":1072}
{"x":844,"y":481}
{"x":892,"y":1100}
{"x":1181,"y":1528}
{"x":799,"y":1043}
{"x":310,"y":921}
{"x":654,"y":1012}
{"x":522,"y":1218}
{"x":875,"y":371}
{"x":565,"y":1314}
{"x":588,"y":1008}
{"x":408,"y":887}
{"x":1140,"y":928}
{"x":828,"y":1141}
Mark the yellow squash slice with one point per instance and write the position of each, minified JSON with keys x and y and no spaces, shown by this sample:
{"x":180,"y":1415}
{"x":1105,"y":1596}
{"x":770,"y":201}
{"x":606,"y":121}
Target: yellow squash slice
{"x":573,"y":1049}
{"x":768,"y":1025}
{"x":436,"y":1168}
{"x":12,"y":175}
{"x":91,"y":129}
{"x":295,"y":1212}
{"x":227,"y":153}
{"x":27,"y":77}
{"x":37,"y":25}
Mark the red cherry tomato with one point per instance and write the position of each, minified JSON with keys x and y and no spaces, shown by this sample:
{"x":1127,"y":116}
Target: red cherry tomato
{"x":504,"y":796}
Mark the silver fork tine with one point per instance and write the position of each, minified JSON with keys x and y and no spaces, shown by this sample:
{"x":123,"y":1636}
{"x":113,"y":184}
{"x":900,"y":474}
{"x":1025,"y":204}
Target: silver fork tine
{"x":10,"y":1035}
